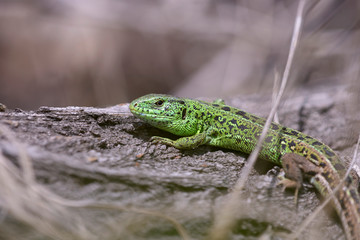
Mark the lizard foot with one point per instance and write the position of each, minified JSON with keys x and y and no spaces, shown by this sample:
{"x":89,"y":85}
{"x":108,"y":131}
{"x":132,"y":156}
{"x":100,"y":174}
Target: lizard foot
{"x":166,"y":141}
{"x":289,"y":183}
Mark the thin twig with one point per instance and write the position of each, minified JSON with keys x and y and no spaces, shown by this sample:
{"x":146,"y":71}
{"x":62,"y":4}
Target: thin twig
{"x":275,"y":92}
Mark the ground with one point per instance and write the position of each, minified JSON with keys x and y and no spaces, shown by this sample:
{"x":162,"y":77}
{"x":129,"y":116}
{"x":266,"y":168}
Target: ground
{"x":104,"y":155}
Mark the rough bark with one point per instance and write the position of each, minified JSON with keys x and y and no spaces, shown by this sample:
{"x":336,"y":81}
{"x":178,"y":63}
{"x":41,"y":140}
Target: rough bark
{"x":103,"y":155}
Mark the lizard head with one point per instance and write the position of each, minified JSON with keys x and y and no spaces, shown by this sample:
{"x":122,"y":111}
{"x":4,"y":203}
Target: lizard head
{"x":165,"y":112}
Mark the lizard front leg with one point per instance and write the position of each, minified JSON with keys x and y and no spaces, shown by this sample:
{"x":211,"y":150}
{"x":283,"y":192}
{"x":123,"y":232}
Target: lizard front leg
{"x":190,"y":142}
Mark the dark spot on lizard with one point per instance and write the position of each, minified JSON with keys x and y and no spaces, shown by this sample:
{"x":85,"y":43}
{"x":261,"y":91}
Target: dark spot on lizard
{"x":291,"y":132}
{"x":313,"y":156}
{"x":255,"y":117}
{"x":283,"y":146}
{"x":183,"y":114}
{"x":218,"y":118}
{"x":233,"y":121}
{"x":182,"y":102}
{"x":215,"y":105}
{"x":328,"y":152}
{"x":268,"y":139}
{"x":242,"y":113}
{"x":284,"y":129}
{"x":294,"y":132}
{"x":292,"y":144}
{"x":301,"y":138}
{"x":242,"y":127}
{"x":322,"y":164}
{"x":316,"y":143}
{"x":225,"y":108}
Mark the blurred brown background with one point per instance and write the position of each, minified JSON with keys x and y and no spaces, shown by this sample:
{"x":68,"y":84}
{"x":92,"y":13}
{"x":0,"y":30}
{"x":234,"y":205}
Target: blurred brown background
{"x":100,"y":53}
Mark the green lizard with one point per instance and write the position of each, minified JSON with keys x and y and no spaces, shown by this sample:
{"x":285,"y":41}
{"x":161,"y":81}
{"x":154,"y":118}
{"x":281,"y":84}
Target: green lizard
{"x":216,"y":124}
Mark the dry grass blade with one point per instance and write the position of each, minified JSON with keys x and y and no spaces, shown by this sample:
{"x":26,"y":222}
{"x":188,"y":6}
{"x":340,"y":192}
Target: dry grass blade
{"x":226,"y":217}
{"x":275,"y":93}
{"x":32,"y":206}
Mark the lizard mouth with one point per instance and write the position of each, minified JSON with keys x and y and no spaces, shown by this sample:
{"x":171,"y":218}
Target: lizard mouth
{"x":136,"y":111}
{"x":149,"y":116}
{"x":141,"y":114}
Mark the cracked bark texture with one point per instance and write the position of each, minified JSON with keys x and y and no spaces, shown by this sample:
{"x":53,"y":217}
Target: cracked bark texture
{"x":104,"y":155}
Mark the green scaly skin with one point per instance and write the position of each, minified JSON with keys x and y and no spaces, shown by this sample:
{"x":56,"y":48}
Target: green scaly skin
{"x":216,"y":124}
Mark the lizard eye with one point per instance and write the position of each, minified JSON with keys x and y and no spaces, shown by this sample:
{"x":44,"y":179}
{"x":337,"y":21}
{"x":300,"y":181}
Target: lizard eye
{"x":159,"y":103}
